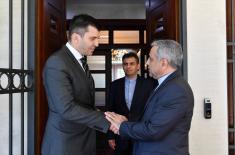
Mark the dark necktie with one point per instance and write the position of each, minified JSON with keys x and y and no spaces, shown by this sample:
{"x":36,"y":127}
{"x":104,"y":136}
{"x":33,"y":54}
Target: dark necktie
{"x":87,"y":71}
{"x":88,"y":75}
{"x":85,"y":67}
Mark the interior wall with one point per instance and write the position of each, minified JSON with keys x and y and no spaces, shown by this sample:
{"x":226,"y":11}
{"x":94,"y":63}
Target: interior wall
{"x":206,"y":42}
{"x":107,"y":11}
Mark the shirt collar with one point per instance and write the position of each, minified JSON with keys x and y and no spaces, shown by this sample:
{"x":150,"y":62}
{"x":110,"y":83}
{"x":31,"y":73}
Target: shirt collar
{"x":163,"y":78}
{"x":75,"y":53}
{"x":126,"y":78}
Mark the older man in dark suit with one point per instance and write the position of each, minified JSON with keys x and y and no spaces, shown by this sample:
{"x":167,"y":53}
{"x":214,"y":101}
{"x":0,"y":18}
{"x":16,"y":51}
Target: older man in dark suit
{"x":126,"y":97}
{"x":165,"y":123}
{"x":73,"y":118}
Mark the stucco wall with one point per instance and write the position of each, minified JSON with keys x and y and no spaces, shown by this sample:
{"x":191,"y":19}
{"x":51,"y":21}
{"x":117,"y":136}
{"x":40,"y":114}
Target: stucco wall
{"x":206,"y":42}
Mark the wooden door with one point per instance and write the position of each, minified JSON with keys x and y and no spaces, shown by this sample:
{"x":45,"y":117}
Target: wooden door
{"x":230,"y":16}
{"x":110,"y":26}
{"x":51,"y":35}
{"x":162,"y":19}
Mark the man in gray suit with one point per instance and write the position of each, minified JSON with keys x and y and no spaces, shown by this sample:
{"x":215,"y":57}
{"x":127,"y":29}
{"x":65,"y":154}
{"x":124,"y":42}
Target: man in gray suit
{"x":165,"y":123}
{"x":73,"y":118}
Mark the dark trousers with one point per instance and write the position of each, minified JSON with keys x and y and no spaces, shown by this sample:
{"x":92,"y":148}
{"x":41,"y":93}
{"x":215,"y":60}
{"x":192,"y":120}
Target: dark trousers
{"x":124,"y":148}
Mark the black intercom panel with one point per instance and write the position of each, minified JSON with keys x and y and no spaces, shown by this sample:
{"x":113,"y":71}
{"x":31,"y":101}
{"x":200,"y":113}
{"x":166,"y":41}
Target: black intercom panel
{"x":207,"y":108}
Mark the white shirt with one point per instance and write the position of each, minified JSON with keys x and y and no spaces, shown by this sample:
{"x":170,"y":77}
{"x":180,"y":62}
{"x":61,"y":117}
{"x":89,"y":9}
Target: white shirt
{"x":75,"y":53}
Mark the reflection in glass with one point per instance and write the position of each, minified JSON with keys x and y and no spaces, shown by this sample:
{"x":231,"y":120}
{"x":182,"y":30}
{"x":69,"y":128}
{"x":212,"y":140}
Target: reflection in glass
{"x":100,"y":98}
{"x":159,"y":29}
{"x":126,"y":37}
{"x":117,"y":54}
{"x":104,"y":37}
{"x":145,"y":61}
{"x":117,"y":71}
{"x":145,"y":37}
{"x":99,"y":80}
{"x":96,"y":62}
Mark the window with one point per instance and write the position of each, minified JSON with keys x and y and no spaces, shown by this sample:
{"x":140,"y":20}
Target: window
{"x":126,"y":37}
{"x":104,"y":37}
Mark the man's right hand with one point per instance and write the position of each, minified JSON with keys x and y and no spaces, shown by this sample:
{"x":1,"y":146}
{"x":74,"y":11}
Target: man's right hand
{"x":116,"y":120}
{"x":112,"y":143}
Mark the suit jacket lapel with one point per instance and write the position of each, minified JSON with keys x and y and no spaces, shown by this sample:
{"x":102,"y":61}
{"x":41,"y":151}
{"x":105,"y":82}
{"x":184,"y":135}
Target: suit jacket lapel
{"x":78,"y":66}
{"x":74,"y":60}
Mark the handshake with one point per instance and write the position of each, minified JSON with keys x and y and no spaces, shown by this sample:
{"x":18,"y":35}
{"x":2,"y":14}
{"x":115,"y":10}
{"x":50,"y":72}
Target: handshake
{"x":115,"y":120}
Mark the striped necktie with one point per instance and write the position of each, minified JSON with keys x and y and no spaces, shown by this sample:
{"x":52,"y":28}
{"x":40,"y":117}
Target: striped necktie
{"x":85,"y":67}
{"x":89,"y":77}
{"x":87,"y":71}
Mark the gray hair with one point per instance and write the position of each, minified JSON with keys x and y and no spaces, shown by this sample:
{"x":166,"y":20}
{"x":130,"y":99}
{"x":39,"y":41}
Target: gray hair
{"x":170,"y":50}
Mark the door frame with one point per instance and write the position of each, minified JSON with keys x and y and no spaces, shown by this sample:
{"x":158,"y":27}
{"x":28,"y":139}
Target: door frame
{"x":32,"y":17}
{"x":177,"y":32}
{"x":183,"y":35}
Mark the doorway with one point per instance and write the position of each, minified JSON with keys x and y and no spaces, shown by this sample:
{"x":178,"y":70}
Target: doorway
{"x":52,"y":24}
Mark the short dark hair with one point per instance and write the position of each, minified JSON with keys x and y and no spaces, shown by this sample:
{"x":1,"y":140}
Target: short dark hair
{"x":131,"y":55}
{"x":80,"y":23}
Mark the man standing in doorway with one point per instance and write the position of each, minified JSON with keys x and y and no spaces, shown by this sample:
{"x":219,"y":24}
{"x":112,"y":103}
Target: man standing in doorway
{"x":127,"y":96}
{"x":73,"y":118}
